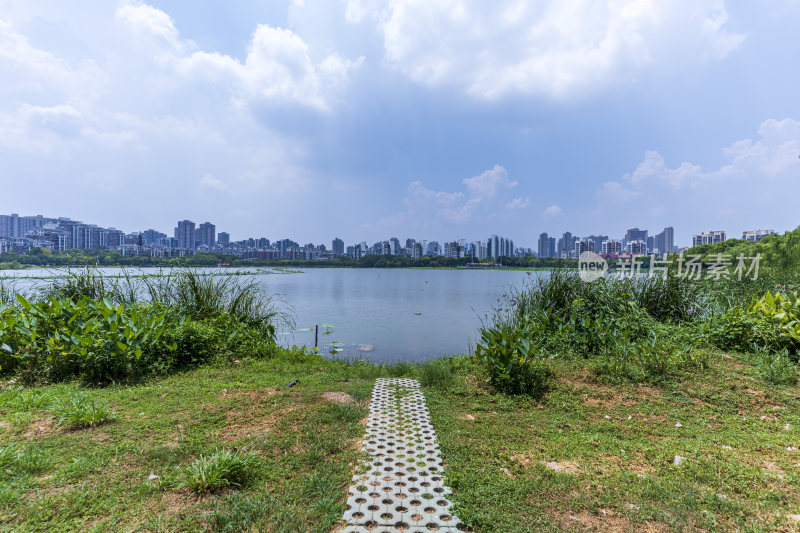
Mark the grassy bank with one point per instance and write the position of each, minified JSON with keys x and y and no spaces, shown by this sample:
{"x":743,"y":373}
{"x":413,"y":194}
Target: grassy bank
{"x":591,"y":455}
{"x":661,"y":405}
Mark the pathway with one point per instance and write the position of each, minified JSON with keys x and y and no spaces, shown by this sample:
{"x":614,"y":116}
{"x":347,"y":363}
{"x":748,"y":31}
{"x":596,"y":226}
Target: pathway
{"x":401,"y":487}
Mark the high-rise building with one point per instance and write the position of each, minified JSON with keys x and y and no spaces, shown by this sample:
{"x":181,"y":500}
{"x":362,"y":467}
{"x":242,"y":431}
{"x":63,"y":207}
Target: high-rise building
{"x":708,"y":237}
{"x":635,"y":234}
{"x":223,"y":238}
{"x":566,"y":244}
{"x":337,"y":245}
{"x":185,"y":234}
{"x":664,"y":242}
{"x":417,"y":250}
{"x":753,"y":235}
{"x":611,"y":247}
{"x":544,"y":245}
{"x":207,"y":234}
{"x":479,"y":250}
{"x":394,"y":246}
{"x":152,"y":236}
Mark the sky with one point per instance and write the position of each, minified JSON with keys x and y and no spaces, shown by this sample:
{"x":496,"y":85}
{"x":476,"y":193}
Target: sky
{"x":424,"y":119}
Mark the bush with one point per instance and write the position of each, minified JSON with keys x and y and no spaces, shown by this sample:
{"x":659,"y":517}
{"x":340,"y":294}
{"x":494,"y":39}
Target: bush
{"x":223,"y":468}
{"x":508,"y":353}
{"x":740,"y":331}
{"x":778,"y":369}
{"x":782,"y":310}
{"x":56,"y":339}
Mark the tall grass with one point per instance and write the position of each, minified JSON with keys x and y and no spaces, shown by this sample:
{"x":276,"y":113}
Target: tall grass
{"x":192,"y":292}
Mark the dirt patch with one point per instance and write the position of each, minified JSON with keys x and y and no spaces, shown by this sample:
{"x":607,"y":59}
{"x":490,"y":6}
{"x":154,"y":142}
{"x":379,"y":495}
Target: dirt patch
{"x":254,"y":395}
{"x":605,"y":520}
{"x":40,"y":428}
{"x":529,"y":461}
{"x":634,"y":464}
{"x":250,"y":423}
{"x":339,"y":397}
{"x":5,"y":426}
{"x":466,"y":417}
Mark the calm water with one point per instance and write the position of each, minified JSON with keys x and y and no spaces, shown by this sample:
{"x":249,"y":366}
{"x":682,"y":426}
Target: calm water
{"x":384,"y":314}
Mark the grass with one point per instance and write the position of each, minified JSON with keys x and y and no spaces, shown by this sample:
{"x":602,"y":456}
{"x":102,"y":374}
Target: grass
{"x":79,"y":410}
{"x":221,"y":469}
{"x":614,"y":443}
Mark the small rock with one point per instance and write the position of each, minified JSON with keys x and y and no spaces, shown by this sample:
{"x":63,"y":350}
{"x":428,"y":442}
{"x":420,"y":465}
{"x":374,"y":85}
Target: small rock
{"x":678,"y":425}
{"x":607,"y":417}
{"x":795,"y":517}
{"x":726,"y":447}
{"x":506,"y":472}
{"x":469,"y":417}
{"x":769,"y":419}
{"x":678,"y":460}
{"x":790,"y":448}
{"x":722,"y":497}
{"x":787,"y":427}
{"x":237,"y":362}
{"x":629,"y":417}
{"x":633,"y":507}
{"x":152,"y":477}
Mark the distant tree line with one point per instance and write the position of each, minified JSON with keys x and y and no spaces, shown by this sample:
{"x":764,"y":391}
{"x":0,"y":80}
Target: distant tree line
{"x":42,"y":258}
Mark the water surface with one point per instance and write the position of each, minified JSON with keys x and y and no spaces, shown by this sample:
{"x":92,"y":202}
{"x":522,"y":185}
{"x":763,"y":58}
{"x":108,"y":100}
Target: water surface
{"x":377,"y":314}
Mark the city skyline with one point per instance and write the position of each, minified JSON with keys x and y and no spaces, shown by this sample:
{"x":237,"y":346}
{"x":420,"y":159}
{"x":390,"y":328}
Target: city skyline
{"x":21,"y":233}
{"x":287,"y":116}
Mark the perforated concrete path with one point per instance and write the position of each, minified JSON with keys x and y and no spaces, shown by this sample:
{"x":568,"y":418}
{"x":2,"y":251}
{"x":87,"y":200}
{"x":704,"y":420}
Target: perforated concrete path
{"x":401,"y":487}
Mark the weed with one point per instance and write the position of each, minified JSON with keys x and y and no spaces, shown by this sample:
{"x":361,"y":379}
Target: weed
{"x":77,"y":410}
{"x":778,"y":369}
{"x":223,"y":468}
{"x":236,"y":512}
{"x":436,"y":373}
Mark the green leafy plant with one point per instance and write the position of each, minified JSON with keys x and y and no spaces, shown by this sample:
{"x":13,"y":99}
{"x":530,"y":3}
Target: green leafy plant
{"x":223,"y":468}
{"x":512,"y":360}
{"x":78,"y":410}
{"x":782,"y":309}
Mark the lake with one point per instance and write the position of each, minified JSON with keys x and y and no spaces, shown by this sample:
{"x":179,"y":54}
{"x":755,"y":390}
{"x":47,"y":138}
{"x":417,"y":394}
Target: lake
{"x":380,"y":314}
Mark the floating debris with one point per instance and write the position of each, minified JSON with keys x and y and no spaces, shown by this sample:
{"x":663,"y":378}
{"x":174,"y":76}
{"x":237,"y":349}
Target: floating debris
{"x":417,"y":314}
{"x":365,"y":348}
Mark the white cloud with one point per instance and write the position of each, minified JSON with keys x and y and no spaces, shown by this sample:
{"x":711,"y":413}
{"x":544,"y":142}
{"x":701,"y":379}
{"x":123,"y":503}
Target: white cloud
{"x":554,"y":48}
{"x":518,"y":203}
{"x":483,"y":197}
{"x":758,"y":184}
{"x":210,"y":182}
{"x":613,"y":191}
{"x":278,"y":67}
{"x":551,"y":212}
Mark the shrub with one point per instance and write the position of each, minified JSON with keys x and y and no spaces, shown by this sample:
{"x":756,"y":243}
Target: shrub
{"x":510,"y":357}
{"x":56,"y":339}
{"x":738,"y":330}
{"x":778,"y":369}
{"x":79,"y":411}
{"x":782,"y":310}
{"x":223,"y":468}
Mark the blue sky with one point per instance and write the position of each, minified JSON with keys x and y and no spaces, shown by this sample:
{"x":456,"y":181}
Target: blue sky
{"x":435,"y":119}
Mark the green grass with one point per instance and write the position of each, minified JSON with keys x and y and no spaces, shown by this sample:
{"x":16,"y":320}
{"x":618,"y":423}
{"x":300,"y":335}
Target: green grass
{"x":616,"y":442}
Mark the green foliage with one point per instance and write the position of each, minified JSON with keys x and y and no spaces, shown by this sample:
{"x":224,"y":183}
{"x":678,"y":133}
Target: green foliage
{"x":510,"y":356}
{"x":740,"y":331}
{"x":778,"y":369}
{"x":236,"y":512}
{"x":78,"y":410}
{"x":782,"y":310}
{"x":437,"y":373}
{"x":223,"y":468}
{"x":16,"y":459}
{"x":54,"y":339}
